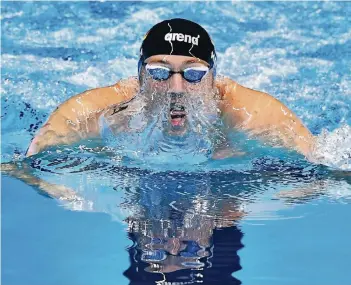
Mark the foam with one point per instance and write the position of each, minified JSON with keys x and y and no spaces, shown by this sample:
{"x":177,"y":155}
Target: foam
{"x":91,"y":77}
{"x":109,"y":32}
{"x":345,"y":86}
{"x":334,"y":148}
{"x":237,"y":59}
{"x":125,"y":67}
{"x":103,"y":74}
{"x":33,"y":63}
{"x":343,"y":38}
{"x":47,"y":96}
{"x":131,"y":27}
{"x":11,"y":15}
{"x":89,"y":39}
{"x":146,"y":14}
{"x":65,"y":37}
{"x":66,"y":34}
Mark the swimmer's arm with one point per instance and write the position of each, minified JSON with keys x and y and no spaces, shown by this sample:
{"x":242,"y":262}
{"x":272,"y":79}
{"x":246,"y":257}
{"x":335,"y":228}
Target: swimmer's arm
{"x":77,"y":118}
{"x":317,"y":188}
{"x":263,"y":115}
{"x":22,"y":171}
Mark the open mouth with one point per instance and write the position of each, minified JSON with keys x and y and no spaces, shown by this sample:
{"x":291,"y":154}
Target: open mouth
{"x":177,"y":116}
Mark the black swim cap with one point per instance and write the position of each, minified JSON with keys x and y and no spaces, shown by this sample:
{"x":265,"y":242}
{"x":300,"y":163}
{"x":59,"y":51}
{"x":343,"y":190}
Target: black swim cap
{"x":178,"y":37}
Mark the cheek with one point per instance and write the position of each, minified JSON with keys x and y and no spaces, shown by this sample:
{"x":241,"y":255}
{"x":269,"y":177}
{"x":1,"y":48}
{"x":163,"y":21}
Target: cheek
{"x":206,"y":85}
{"x":149,"y":85}
{"x":156,"y":86}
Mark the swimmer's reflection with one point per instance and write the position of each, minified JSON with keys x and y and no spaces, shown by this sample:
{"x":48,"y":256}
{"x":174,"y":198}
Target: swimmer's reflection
{"x":183,"y":225}
{"x":184,"y":230}
{"x":157,"y":260}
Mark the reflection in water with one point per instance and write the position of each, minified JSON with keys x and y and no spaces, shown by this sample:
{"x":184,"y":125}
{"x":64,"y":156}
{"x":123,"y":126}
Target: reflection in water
{"x":211,"y":264}
{"x":184,"y":225}
{"x":183,"y":230}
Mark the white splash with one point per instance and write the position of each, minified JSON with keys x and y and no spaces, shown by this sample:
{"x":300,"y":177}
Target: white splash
{"x":334,"y":148}
{"x":91,"y":77}
{"x":11,"y":15}
{"x":89,"y":39}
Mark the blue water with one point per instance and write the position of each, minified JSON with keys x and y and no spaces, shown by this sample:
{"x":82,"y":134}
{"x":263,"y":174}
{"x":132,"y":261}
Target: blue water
{"x":269,"y":218}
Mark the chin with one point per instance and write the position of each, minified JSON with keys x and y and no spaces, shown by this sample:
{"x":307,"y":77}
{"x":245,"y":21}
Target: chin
{"x":177,"y":128}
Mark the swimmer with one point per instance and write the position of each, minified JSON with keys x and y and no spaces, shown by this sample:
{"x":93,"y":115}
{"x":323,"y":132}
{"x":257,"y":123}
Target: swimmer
{"x":177,"y":63}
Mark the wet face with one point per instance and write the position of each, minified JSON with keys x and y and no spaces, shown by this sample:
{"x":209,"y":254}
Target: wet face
{"x":179,"y":83}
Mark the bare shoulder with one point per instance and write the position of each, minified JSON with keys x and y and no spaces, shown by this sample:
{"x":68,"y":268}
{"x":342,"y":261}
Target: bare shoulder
{"x":260,"y":112}
{"x":96,"y":100}
{"x":243,"y":103}
{"x":77,"y":118}
{"x":239,"y":95}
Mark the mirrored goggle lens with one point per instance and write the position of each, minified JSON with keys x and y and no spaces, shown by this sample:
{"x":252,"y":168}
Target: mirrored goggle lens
{"x":158,"y":72}
{"x":154,"y":255}
{"x":194,"y":74}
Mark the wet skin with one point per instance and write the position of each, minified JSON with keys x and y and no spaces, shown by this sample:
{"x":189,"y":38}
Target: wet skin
{"x":176,"y":86}
{"x":254,"y":112}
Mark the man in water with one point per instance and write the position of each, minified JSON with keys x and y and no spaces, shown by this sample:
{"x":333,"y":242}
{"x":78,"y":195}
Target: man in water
{"x":177,"y":65}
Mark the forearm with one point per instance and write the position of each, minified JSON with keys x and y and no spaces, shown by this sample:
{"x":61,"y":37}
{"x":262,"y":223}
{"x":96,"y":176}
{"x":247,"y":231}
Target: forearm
{"x":60,"y":130}
{"x":285,"y":126}
{"x":22,"y":171}
{"x":48,"y":137}
{"x":286,"y":132}
{"x":297,"y":136}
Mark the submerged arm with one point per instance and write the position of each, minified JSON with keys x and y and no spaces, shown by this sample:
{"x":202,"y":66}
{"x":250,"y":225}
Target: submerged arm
{"x":23,"y":172}
{"x":262,"y":115}
{"x":77,"y":118}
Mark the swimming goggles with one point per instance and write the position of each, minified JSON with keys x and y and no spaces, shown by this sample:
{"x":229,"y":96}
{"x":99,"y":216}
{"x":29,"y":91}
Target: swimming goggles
{"x":191,"y":74}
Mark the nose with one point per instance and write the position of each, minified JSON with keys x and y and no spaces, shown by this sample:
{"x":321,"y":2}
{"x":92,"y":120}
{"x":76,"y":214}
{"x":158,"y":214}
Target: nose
{"x":176,"y":83}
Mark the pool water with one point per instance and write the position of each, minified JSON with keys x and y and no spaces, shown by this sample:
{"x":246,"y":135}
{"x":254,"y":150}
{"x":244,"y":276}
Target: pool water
{"x":270,"y":217}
